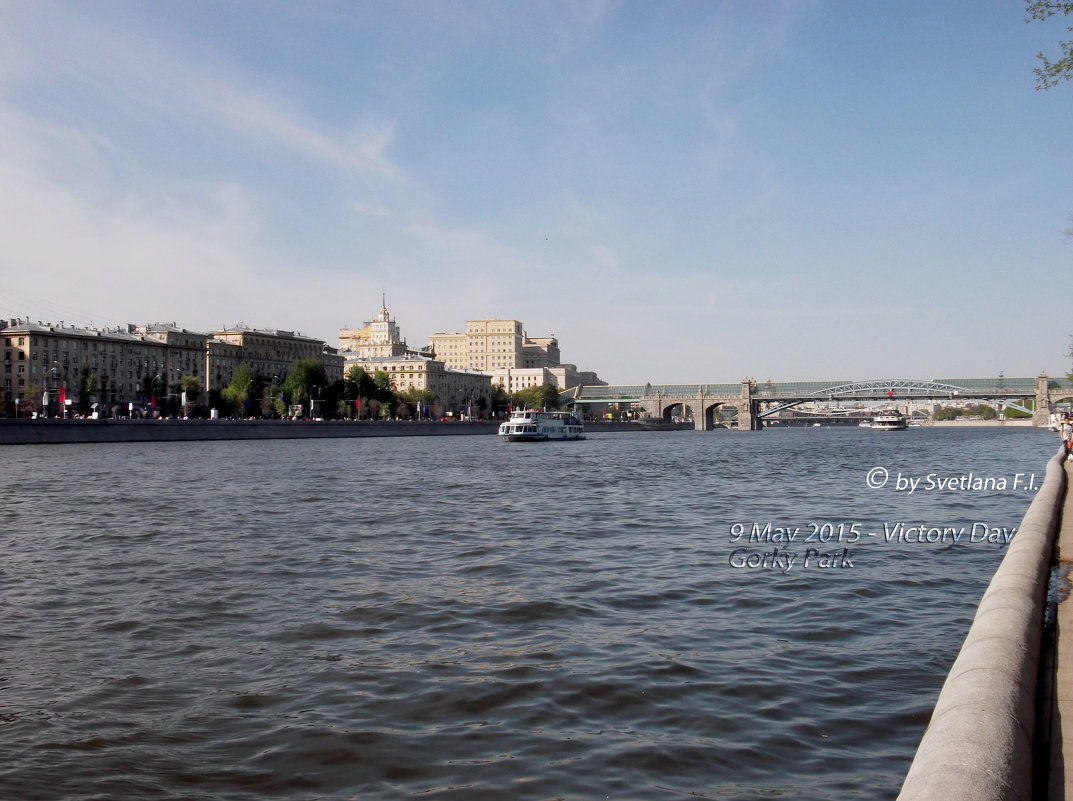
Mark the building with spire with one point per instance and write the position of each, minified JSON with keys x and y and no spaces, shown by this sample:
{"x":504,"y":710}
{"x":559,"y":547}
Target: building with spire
{"x":379,"y":347}
{"x":378,"y":338}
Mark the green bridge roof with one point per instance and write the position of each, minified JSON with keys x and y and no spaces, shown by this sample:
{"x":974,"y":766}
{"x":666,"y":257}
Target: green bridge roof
{"x":895,"y":387}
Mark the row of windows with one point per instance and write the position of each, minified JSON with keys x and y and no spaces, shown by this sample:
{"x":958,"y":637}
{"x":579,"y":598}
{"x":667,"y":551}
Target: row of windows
{"x":63,"y":344}
{"x":110,"y":371}
{"x":115,"y":389}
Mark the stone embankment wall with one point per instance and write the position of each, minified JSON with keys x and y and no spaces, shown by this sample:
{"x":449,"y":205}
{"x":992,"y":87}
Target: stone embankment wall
{"x":24,"y":432}
{"x":56,"y":431}
{"x":978,"y":745}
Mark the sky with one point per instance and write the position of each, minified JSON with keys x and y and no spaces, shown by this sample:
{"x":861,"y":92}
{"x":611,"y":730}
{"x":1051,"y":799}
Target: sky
{"x":681,"y":192}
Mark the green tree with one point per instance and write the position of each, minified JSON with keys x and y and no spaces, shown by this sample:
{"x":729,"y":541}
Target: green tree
{"x":500,"y":399}
{"x":545,"y":396}
{"x":303,"y":377}
{"x":237,"y":393}
{"x":331,"y":405}
{"x":358,"y":386}
{"x":1050,"y":73}
{"x":982,"y":410}
{"x":268,"y":398}
{"x":382,"y":390}
{"x":360,"y":380}
{"x":947,"y":413}
{"x":412,"y":402}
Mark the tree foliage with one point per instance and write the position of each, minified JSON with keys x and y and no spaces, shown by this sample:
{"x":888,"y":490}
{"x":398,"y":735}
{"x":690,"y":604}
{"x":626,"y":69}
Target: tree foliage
{"x":1050,"y":73}
{"x":237,"y":393}
{"x":358,"y":383}
{"x":302,"y":377}
{"x":500,"y":399}
{"x":981,"y":410}
{"x":413,"y":402}
{"x":545,"y":396}
{"x":382,"y":382}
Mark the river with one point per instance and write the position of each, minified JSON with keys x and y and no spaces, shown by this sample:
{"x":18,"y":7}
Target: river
{"x":626,"y":617}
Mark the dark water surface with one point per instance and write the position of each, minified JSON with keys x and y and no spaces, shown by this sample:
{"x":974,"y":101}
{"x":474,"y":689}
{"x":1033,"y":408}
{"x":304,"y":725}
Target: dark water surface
{"x":461,"y":618}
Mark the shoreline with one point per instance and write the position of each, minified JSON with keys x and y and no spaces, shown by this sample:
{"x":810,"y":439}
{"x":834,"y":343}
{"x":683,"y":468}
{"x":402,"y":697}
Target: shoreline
{"x":66,"y":431}
{"x":1025,"y":422}
{"x":60,"y":431}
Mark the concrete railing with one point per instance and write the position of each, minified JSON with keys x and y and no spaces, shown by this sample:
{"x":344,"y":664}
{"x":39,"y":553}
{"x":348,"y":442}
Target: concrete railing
{"x":978,"y":745}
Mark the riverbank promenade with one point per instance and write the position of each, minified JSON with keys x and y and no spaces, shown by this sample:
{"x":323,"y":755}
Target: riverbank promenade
{"x":1002,"y":726}
{"x":1055,"y":725}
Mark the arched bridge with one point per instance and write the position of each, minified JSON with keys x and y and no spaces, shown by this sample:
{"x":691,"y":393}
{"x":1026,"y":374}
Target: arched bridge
{"x":754,"y":400}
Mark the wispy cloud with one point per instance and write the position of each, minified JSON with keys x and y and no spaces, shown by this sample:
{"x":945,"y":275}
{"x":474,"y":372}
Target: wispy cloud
{"x":645,"y":167}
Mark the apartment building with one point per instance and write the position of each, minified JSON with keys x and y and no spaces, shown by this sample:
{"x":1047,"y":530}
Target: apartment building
{"x":513,"y":359}
{"x":270,"y":352}
{"x":221,"y":360}
{"x":131,"y":364}
{"x":184,"y":353}
{"x":47,"y":358}
{"x":494,"y":345}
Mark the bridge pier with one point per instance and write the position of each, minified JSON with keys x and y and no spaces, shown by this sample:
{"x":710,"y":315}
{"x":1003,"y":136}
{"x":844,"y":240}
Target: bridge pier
{"x":1041,"y":418}
{"x":748,"y":409}
{"x":749,"y":416}
{"x":700,"y":418}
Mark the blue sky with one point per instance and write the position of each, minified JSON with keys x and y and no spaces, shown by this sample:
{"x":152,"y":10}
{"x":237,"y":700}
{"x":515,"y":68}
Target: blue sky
{"x":680,"y":191}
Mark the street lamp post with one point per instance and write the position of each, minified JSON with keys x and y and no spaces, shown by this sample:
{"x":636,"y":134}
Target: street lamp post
{"x":46,"y":401}
{"x":181,"y":394}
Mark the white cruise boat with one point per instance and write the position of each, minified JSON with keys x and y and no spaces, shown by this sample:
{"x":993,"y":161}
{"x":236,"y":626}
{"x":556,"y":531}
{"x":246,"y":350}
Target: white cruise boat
{"x":889,"y":420}
{"x":536,"y":425}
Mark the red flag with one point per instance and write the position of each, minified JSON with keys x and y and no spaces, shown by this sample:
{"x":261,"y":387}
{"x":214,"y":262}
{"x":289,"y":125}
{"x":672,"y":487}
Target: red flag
{"x":61,"y":395}
{"x":152,"y":401}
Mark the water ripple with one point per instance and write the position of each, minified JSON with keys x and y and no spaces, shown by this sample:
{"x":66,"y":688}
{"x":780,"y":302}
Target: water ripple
{"x":464,"y":620}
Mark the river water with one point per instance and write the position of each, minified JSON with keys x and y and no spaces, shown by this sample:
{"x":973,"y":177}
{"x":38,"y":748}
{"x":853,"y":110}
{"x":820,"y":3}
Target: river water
{"x":461,"y":618}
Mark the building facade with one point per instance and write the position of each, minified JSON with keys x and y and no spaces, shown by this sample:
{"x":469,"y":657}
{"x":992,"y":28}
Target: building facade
{"x":379,"y":337}
{"x":270,"y":352}
{"x":44,"y":362}
{"x":134,"y":366}
{"x":453,"y":390}
{"x":495,"y":345}
{"x":513,"y":359}
{"x":221,"y":360}
{"x":184,"y":351}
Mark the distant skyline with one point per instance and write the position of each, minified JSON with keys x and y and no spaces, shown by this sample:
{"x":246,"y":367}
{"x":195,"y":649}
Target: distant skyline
{"x":682,"y":191}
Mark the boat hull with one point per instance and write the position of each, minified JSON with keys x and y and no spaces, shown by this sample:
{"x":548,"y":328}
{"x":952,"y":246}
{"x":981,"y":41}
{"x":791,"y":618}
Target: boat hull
{"x":537,"y":437}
